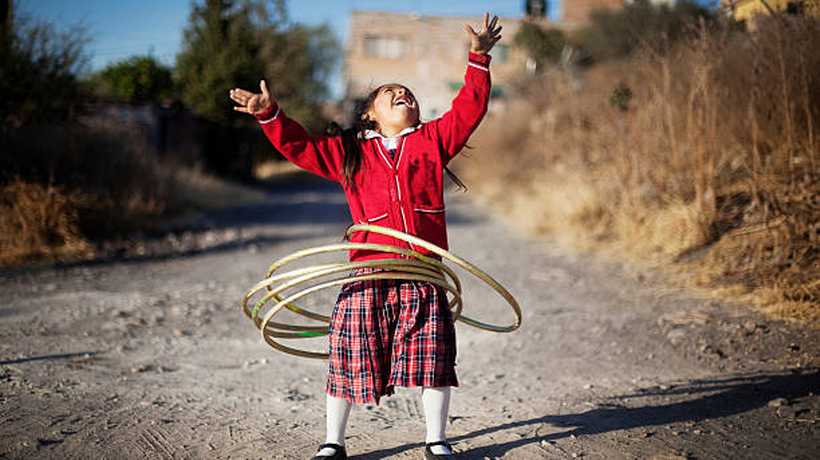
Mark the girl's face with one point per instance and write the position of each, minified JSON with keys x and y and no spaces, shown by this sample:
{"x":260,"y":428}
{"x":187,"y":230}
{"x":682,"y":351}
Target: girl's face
{"x":394,"y":108}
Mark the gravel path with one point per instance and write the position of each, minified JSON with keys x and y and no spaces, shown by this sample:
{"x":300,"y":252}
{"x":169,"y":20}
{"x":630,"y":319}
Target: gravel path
{"x":148,"y":356}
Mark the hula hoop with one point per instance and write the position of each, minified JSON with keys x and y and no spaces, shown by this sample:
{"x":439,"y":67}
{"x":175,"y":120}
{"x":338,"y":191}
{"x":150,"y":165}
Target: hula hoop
{"x":415,"y":267}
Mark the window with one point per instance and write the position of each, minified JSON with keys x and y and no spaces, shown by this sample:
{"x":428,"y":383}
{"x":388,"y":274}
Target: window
{"x":384,"y":47}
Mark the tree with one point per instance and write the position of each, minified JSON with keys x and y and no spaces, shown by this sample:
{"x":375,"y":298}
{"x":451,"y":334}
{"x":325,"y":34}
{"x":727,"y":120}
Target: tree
{"x":231,"y":44}
{"x":236,"y":43}
{"x":38,"y":75}
{"x":613,"y":34}
{"x":542,"y":45}
{"x":219,"y":52}
{"x":135,"y":80}
{"x":297,"y":63}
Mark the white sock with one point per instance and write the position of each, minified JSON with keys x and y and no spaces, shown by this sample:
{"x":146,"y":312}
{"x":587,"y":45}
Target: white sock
{"x":338,"y":410}
{"x":436,"y":402}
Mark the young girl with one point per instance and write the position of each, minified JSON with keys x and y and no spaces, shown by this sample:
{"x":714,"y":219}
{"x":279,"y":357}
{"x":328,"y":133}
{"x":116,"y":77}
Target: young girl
{"x":386,"y":333}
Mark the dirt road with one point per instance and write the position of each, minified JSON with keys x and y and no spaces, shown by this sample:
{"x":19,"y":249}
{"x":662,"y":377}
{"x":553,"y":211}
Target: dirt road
{"x":148,"y":356}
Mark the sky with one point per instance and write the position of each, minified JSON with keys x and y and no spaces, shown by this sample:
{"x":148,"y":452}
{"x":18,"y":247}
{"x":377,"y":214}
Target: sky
{"x":122,"y":28}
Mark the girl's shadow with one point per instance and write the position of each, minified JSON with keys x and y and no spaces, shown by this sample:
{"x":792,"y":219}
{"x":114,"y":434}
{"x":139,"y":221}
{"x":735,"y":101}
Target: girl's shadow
{"x":729,"y":396}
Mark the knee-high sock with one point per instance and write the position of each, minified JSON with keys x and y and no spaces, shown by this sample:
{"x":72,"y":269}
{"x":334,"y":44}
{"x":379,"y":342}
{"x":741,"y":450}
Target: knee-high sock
{"x":436,"y":401}
{"x":338,"y":410}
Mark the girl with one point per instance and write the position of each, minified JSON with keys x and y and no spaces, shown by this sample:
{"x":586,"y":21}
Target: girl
{"x":386,"y":333}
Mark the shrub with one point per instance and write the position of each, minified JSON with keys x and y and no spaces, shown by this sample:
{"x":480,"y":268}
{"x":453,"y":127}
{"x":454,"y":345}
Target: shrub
{"x":38,"y":221}
{"x":135,"y":80}
{"x":120,"y":178}
{"x":38,"y":75}
{"x":711,"y":159}
{"x":613,"y":34}
{"x":542,"y":45}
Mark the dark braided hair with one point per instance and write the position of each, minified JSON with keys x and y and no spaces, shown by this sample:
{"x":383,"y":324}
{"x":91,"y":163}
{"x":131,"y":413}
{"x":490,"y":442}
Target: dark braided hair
{"x":350,"y":142}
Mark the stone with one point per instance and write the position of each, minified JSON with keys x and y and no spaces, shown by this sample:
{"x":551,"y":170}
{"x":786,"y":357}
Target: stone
{"x":778,"y":402}
{"x":676,"y":335}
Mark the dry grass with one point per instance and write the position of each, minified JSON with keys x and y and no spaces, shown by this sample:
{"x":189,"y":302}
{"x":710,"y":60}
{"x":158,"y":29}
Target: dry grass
{"x":74,"y":186}
{"x":711,"y":171}
{"x":38,"y":222}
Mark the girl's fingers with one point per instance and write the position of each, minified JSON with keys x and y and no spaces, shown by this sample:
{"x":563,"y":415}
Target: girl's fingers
{"x":486,"y":20}
{"x":493,"y":22}
{"x":241,"y":109}
{"x":498,"y":30}
{"x":241,"y":93}
{"x":264,"y":87}
{"x":470,"y":30}
{"x":235,"y":97}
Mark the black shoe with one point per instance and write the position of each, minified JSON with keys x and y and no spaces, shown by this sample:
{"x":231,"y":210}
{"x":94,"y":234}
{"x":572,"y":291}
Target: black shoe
{"x":429,"y":455}
{"x":340,"y":453}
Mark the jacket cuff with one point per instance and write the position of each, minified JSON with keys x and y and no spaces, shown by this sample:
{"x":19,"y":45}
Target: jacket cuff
{"x":268,"y":115}
{"x":480,"y":61}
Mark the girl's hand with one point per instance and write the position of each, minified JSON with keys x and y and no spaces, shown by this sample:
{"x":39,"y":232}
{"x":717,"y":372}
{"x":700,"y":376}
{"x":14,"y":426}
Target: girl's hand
{"x":482,"y":42}
{"x":249,"y":102}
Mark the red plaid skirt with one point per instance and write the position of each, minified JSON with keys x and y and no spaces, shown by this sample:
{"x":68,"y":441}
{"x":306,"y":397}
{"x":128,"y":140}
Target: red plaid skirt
{"x":386,"y":333}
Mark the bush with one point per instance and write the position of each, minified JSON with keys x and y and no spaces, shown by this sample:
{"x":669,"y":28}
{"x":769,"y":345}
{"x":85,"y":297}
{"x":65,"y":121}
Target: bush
{"x":122,"y":182}
{"x":705,"y":151}
{"x":38,"y":221}
{"x":542,"y":45}
{"x":136,"y":80}
{"x":613,"y":34}
{"x":38,"y":75}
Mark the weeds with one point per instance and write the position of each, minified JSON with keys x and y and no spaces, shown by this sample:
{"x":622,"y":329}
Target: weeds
{"x":67,"y":186}
{"x":38,"y":222}
{"x":709,"y":164}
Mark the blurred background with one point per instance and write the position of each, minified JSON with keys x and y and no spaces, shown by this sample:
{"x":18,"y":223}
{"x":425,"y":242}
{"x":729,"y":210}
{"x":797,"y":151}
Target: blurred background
{"x":670,"y":132}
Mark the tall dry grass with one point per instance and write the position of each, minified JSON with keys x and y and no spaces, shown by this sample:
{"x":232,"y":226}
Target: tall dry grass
{"x":38,"y":221}
{"x":702,"y":157}
{"x":64,"y":187}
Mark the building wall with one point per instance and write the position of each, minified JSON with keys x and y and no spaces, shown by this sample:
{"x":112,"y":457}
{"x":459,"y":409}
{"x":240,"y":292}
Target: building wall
{"x":428,"y":54}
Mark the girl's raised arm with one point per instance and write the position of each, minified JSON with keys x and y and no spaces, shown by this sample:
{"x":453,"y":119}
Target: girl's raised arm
{"x":470,"y":104}
{"x":321,"y":155}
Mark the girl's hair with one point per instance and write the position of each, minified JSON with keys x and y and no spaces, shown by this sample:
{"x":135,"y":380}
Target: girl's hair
{"x":350,"y":143}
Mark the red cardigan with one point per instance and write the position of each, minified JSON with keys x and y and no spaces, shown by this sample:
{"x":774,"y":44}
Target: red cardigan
{"x":405,"y":193}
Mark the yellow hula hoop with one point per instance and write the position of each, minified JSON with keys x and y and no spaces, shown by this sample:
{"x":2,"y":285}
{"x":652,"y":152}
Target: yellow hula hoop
{"x":415,"y":267}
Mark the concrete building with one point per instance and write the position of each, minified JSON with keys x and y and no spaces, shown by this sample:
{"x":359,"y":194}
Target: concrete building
{"x":428,"y":54}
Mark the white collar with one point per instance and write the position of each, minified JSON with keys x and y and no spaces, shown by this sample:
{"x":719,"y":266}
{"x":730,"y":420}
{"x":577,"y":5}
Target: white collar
{"x":371,"y":134}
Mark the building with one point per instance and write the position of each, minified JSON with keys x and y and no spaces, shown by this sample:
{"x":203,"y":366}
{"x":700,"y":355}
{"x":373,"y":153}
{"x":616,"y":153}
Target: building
{"x":428,"y":53}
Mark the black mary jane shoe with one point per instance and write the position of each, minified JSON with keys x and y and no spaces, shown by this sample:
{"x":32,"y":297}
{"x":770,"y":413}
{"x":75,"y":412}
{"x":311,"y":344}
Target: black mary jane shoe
{"x":428,"y":452}
{"x":340,"y":453}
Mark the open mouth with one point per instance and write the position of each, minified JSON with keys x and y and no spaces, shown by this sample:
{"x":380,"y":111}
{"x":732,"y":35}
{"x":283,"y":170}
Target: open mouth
{"x":403,"y":101}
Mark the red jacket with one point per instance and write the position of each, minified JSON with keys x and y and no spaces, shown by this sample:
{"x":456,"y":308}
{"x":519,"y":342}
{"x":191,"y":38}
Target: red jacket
{"x":405,"y":193}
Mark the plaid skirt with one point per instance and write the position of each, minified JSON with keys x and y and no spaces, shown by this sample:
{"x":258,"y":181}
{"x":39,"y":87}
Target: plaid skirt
{"x":386,"y":333}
